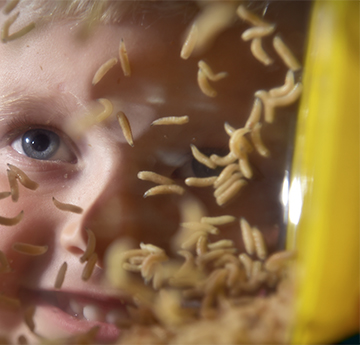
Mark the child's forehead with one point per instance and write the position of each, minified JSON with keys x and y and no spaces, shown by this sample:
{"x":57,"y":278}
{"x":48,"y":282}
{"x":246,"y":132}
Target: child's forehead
{"x":52,"y":59}
{"x":52,"y":62}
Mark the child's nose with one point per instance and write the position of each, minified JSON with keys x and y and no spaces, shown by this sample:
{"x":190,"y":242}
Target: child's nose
{"x":72,"y":239}
{"x":107,"y":218}
{"x":106,"y":202}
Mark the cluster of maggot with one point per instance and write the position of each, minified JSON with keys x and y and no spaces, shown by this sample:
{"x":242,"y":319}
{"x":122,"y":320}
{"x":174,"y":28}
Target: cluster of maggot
{"x":249,"y":293}
{"x":185,"y":302}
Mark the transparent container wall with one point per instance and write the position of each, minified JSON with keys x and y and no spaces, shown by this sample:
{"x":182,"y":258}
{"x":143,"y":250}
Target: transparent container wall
{"x":263,"y":200}
{"x":214,"y":126}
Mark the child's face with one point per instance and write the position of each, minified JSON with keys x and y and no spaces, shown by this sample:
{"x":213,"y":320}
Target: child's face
{"x":46,"y":80}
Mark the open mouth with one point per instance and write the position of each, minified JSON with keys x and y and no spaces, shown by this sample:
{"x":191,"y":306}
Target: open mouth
{"x":75,"y":313}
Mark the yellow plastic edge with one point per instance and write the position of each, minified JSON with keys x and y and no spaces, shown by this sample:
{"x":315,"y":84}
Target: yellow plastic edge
{"x":324,"y":185}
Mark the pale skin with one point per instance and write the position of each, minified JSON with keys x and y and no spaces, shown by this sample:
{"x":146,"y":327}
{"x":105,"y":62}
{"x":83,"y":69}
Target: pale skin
{"x":48,"y":73}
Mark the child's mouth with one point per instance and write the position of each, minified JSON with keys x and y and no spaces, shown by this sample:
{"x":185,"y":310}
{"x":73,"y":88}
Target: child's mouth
{"x":77,"y":313}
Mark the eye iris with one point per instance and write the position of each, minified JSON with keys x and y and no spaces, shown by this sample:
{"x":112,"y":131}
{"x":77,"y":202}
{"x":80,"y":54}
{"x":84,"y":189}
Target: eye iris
{"x":40,"y":143}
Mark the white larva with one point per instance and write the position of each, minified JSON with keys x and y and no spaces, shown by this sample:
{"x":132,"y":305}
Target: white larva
{"x":171,"y":120}
{"x":165,"y":189}
{"x":6,"y":26}
{"x":22,"y":32}
{"x":200,"y":181}
{"x":90,"y":247}
{"x":60,"y":277}
{"x":221,"y":244}
{"x":12,"y":221}
{"x":226,"y":174}
{"x":245,"y":167}
{"x":5,"y":37}
{"x":151,"y":248}
{"x":223,"y":187}
{"x":103,"y":69}
{"x":14,"y":187}
{"x":269,"y":110}
{"x":247,"y":236}
{"x":270,"y":103}
{"x":255,"y":114}
{"x":192,"y":239}
{"x":286,"y":88}
{"x":189,"y":43}
{"x":108,"y":109}
{"x":201,"y":158}
{"x":67,"y":207}
{"x":4,"y":263}
{"x":124,"y":59}
{"x":204,"y":85}
{"x":29,"y":249}
{"x":257,"y":141}
{"x":250,"y":17}
{"x":229,"y":129}
{"x":197,"y":226}
{"x":259,"y":242}
{"x":214,"y":254}
{"x":23,"y":178}
{"x":209,"y":73}
{"x":236,"y":145}
{"x":288,"y":98}
{"x":4,"y":195}
{"x":125,"y":127}
{"x":247,"y":262}
{"x":257,"y":31}
{"x":10,"y":5}
{"x":225,"y":160}
{"x":277,"y":260}
{"x":231,"y":192}
{"x":220,"y":220}
{"x":214,"y":18}
{"x":286,"y":54}
{"x":259,"y":53}
{"x":154,"y":177}
{"x":202,"y":245}
{"x":89,"y":267}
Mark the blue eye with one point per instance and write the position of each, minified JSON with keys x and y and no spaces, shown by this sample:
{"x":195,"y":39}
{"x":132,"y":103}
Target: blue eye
{"x":40,"y":143}
{"x":43,"y":144}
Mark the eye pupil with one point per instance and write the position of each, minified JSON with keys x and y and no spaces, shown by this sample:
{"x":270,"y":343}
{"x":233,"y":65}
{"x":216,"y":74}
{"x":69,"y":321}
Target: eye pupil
{"x":39,"y":143}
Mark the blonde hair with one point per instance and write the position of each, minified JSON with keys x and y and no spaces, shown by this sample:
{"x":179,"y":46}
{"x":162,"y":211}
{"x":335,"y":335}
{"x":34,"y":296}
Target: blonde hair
{"x":106,"y":11}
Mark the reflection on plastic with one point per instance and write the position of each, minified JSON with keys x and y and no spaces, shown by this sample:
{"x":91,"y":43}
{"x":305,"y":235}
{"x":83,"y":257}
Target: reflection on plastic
{"x":284,"y":196}
{"x":295,"y":201}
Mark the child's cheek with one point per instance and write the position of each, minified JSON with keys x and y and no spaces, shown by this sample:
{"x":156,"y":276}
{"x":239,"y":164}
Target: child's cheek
{"x":127,"y":215}
{"x":36,"y":227}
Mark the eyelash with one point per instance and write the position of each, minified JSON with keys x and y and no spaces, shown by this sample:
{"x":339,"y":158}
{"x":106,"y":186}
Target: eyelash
{"x":15,"y":125}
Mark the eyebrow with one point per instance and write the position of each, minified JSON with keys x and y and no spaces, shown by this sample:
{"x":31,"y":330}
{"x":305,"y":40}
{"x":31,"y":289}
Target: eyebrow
{"x":14,"y":104}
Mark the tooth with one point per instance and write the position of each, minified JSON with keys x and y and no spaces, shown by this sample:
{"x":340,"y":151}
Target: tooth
{"x":76,"y":307}
{"x":93,"y":313}
{"x":115,"y":315}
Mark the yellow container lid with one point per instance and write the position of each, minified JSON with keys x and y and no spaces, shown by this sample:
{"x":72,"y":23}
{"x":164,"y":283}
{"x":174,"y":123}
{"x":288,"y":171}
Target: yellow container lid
{"x":324,"y":187}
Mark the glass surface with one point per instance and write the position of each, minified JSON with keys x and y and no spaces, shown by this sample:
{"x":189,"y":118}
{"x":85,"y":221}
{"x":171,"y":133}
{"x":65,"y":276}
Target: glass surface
{"x":47,"y":86}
